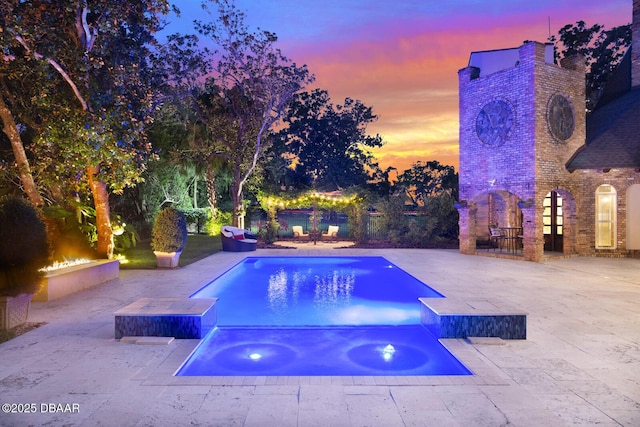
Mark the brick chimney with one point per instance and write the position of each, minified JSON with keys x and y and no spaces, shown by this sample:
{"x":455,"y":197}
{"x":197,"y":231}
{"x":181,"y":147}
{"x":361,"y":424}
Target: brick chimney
{"x":635,"y":45}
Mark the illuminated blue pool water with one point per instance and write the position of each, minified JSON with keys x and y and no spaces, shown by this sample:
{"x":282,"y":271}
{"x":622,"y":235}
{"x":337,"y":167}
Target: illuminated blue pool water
{"x":319,"y":316}
{"x":315,"y":291}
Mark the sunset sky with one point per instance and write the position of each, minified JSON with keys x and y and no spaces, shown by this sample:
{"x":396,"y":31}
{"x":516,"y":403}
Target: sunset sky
{"x":402,"y":57}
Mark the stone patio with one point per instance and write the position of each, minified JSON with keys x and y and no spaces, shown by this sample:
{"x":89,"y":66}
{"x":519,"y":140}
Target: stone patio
{"x":578,"y":365}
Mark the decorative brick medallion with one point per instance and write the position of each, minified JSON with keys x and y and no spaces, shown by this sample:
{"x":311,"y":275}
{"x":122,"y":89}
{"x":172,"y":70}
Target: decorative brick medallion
{"x":494,"y":122}
{"x":560,"y":117}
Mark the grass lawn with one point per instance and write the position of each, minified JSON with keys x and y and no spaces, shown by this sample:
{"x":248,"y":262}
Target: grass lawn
{"x":198,"y":246}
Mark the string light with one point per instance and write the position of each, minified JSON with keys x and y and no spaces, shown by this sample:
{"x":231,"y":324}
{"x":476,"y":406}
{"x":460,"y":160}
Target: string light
{"x":324,"y":200}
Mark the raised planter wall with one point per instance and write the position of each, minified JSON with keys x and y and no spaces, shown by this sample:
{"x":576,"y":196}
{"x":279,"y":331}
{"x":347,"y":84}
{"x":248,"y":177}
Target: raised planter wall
{"x":69,"y":280}
{"x":14,"y":311}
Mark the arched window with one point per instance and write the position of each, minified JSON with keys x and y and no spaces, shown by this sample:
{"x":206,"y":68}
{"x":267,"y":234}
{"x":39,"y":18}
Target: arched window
{"x":606,"y":217}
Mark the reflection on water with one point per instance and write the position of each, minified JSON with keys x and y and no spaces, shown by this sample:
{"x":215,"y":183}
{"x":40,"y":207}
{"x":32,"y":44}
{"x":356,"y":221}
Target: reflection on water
{"x":378,"y":313}
{"x":332,"y":288}
{"x":277,"y":290}
{"x":311,"y":291}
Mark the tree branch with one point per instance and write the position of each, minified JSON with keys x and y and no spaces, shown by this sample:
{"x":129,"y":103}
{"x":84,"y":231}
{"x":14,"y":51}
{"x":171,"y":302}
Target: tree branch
{"x":57,"y":67}
{"x":87,"y":37}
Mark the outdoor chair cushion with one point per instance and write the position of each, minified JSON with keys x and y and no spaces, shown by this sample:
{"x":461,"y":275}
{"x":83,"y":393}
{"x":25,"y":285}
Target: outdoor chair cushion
{"x":298,"y":232}
{"x":236,"y":239}
{"x":332,"y":232}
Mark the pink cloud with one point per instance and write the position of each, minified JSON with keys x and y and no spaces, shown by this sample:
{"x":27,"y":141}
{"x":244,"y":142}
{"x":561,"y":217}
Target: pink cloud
{"x":404,"y":63}
{"x":402,"y":57}
{"x":410,"y":79}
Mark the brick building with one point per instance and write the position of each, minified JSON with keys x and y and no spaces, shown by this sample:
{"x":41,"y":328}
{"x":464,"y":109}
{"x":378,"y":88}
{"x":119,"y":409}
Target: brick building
{"x":533,"y":163}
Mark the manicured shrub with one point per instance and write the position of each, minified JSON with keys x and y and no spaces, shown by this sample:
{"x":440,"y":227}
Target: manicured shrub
{"x":169,"y":232}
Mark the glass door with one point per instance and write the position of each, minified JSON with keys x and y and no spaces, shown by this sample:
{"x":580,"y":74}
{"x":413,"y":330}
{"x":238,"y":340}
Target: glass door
{"x":552,"y":222}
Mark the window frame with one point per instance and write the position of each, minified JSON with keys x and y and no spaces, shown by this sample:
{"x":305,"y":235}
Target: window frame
{"x":606,"y":212}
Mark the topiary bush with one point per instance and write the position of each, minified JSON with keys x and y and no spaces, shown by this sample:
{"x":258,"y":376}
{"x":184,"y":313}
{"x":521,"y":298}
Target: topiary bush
{"x":24,"y":247}
{"x":169,"y":233}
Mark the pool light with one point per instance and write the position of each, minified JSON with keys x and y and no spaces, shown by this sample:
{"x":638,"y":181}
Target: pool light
{"x":255,"y":356}
{"x":388,"y":352}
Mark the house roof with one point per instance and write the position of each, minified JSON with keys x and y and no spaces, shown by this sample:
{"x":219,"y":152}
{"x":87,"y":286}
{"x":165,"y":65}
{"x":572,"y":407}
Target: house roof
{"x":620,"y":81}
{"x":613,"y":134}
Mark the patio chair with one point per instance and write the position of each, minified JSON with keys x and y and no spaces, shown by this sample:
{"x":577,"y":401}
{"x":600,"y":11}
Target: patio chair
{"x":236,"y":239}
{"x":298,"y":233}
{"x":496,"y":238}
{"x":331,"y":233}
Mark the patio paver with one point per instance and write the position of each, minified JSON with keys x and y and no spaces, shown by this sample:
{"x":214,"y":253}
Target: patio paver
{"x":578,"y":365}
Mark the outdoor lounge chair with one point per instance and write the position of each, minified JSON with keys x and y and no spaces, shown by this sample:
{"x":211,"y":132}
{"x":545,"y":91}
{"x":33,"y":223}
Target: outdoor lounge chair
{"x":236,"y":239}
{"x":331,"y":233}
{"x":298,"y":233}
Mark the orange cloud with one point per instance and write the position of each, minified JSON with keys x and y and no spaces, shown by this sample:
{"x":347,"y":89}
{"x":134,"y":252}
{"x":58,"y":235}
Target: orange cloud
{"x":406,"y":68}
{"x":402,"y":57}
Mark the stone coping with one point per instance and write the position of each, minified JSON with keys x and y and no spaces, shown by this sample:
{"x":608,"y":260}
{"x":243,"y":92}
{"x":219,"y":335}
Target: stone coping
{"x":471,"y":307}
{"x":167,"y":306}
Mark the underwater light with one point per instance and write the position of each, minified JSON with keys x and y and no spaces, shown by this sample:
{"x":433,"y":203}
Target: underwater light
{"x":388,"y":351}
{"x":255,"y":356}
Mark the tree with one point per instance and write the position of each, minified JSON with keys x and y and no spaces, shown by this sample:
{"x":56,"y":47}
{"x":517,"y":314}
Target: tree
{"x":602,"y":49}
{"x":175,"y":175}
{"x":427,"y":180}
{"x":327,"y":144}
{"x":211,"y":145}
{"x":91,"y":68}
{"x":179,"y":134}
{"x":431,"y":189}
{"x":252,"y":84}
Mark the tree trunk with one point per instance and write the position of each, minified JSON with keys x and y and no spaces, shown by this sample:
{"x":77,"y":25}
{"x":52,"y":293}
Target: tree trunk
{"x":210,"y":179}
{"x":236,"y":198}
{"x":237,"y":208}
{"x":24,"y":170}
{"x":101,"y":203}
{"x":195,"y":192}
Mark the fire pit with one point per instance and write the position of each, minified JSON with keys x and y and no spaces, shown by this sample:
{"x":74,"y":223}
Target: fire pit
{"x":77,"y":277}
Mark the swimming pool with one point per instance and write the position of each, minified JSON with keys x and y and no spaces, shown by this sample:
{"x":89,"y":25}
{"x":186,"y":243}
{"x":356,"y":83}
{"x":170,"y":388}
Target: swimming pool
{"x":319,"y":316}
{"x":315,"y":291}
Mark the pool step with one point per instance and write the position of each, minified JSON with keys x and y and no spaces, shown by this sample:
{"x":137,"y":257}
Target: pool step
{"x":455,"y":318}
